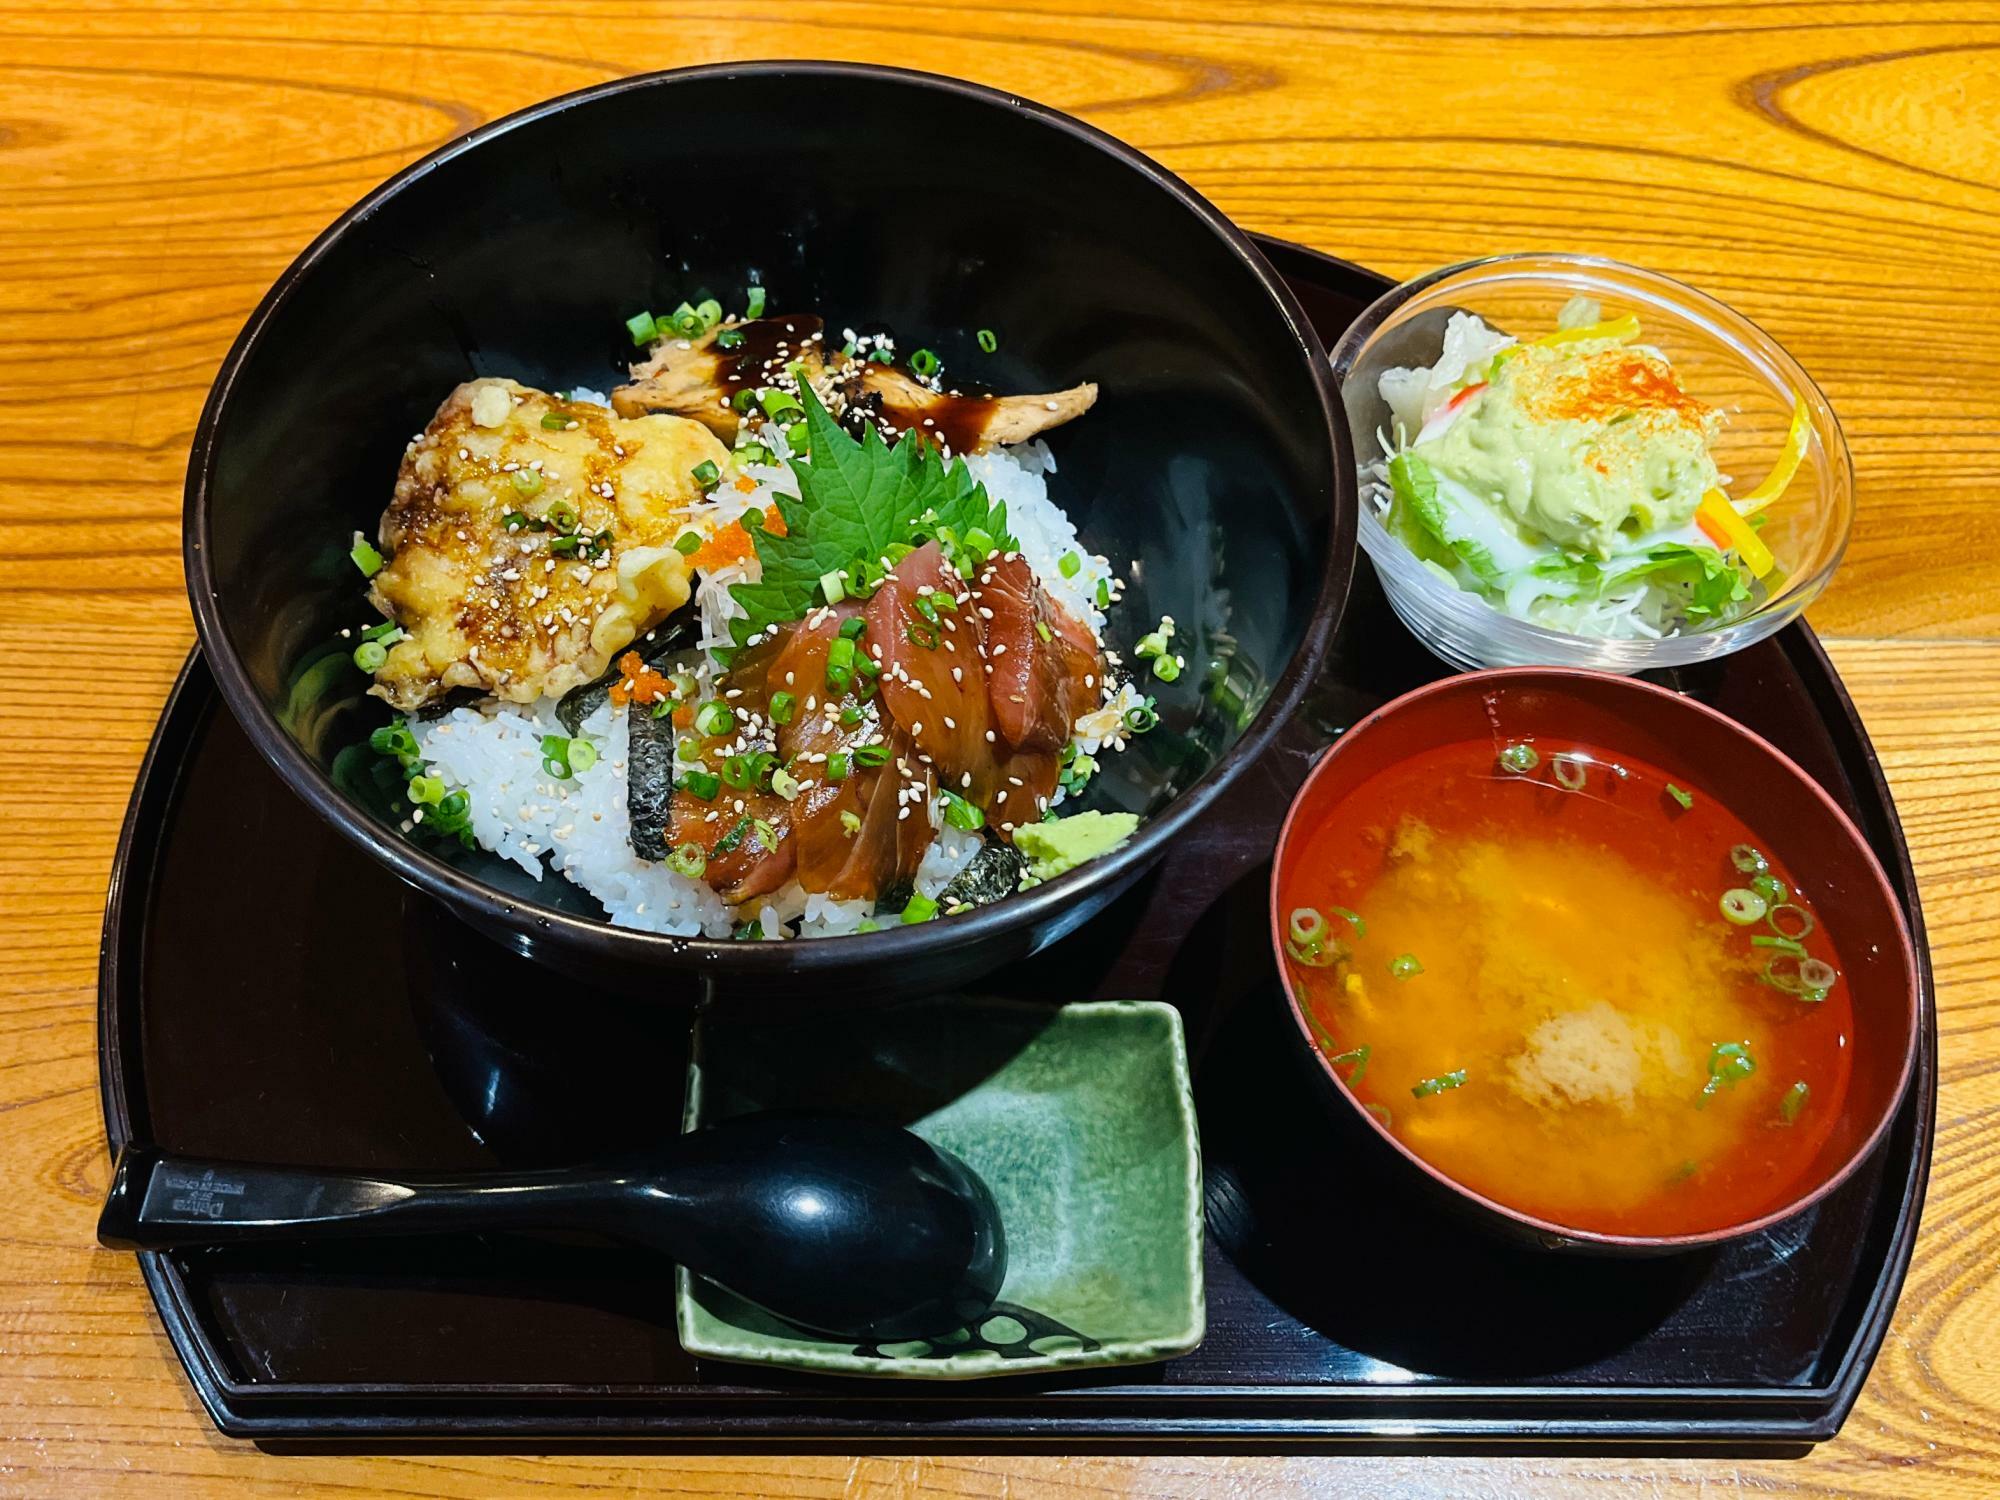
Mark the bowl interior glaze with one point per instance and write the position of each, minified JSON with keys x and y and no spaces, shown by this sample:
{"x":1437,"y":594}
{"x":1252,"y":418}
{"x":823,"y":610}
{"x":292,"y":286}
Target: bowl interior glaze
{"x":1212,"y":471}
{"x":1798,"y":821}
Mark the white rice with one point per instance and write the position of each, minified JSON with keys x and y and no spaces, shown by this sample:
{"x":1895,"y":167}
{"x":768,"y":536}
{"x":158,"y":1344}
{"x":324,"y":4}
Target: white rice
{"x":580,"y":824}
{"x":580,"y":827}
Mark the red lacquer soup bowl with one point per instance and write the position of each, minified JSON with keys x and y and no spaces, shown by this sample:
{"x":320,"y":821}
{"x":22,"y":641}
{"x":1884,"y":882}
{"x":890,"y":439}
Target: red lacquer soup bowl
{"x":1685,"y":775}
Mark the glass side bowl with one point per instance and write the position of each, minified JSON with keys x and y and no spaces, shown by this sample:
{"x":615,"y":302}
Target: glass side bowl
{"x":1720,"y":357}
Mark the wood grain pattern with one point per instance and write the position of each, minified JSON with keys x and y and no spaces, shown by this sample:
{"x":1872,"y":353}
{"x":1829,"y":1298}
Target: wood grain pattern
{"x":1831,"y":168}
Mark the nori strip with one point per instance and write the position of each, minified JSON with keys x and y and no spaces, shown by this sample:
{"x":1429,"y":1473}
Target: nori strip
{"x":649,"y":780}
{"x":994,"y":872}
{"x":674,"y":634}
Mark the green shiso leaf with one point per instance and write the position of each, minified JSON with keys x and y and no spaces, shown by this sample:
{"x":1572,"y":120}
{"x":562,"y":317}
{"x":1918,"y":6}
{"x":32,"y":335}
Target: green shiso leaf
{"x":856,"y":500}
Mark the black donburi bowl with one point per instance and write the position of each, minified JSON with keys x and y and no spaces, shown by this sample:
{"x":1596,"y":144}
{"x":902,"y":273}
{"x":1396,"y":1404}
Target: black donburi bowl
{"x":1215,"y":470}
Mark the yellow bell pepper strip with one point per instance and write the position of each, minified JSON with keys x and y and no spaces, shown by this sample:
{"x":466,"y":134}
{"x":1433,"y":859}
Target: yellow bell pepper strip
{"x":1793,"y":454}
{"x":1623,"y":329}
{"x":1720,"y":523}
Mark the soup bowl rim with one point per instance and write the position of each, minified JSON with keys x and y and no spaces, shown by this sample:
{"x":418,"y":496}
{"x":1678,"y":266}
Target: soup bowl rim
{"x":1551,"y":1231}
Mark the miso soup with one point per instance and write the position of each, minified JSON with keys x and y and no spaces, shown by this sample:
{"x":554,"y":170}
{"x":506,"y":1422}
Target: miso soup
{"x":1571,"y":985}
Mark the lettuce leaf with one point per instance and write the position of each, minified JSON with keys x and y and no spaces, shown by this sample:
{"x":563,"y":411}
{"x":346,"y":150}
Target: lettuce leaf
{"x":1425,"y":523}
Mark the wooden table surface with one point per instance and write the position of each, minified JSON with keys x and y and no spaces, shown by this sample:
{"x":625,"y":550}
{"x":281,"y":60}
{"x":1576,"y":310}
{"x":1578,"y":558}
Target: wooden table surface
{"x":1832,"y":169}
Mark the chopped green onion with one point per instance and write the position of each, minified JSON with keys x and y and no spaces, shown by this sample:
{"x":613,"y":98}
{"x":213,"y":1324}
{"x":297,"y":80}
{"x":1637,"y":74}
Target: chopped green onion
{"x":782,"y":705}
{"x":962,"y":814}
{"x":1686,"y":799}
{"x":743,"y":771}
{"x":688,"y":860}
{"x":1042,"y":630}
{"x":554,"y":421}
{"x":1794,"y":1102}
{"x":1167,"y":668}
{"x":852,"y":714}
{"x":851,"y":629}
{"x":778,"y":404}
{"x":881,"y":355}
{"x":1805,"y":921}
{"x":706,"y":474}
{"x":582,"y":755}
{"x":1817,"y":974}
{"x":1142,"y":717}
{"x":702,"y":784}
{"x":737,"y":833}
{"x":709,"y":311}
{"x":561,"y":515}
{"x":369,"y":656}
{"x":926,"y":608}
{"x":683,"y":685}
{"x":688,"y":543}
{"x":1792,"y":946}
{"x":1359,"y":1057}
{"x":1748,"y":860}
{"x":766,"y":834}
{"x":1405,"y":966}
{"x":1069,"y":564}
{"x":748,"y":453}
{"x":366,"y":558}
{"x":425,"y":789}
{"x":871,"y":755}
{"x":836,"y":767}
{"x":555,"y":756}
{"x":1104,"y":593}
{"x":1380,"y":1112}
{"x":642,"y":328}
{"x":1313,"y":955}
{"x":839,"y":663}
{"x":979,"y":543}
{"x":784,"y":783}
{"x":729,"y":338}
{"x":922,"y":635}
{"x":1742,"y":906}
{"x":833,"y":585}
{"x":920,"y":909}
{"x":753,"y":305}
{"x":1153,"y":643}
{"x":516,"y":520}
{"x":749,"y":932}
{"x":384,"y":633}
{"x":393,"y":739}
{"x":987,"y":340}
{"x":1306,"y":925}
{"x":1353,"y":919}
{"x":1728,"y":1062}
{"x":713,"y":718}
{"x":925,"y":364}
{"x":527,"y":483}
{"x":1455,"y":1079}
{"x":744,"y":399}
{"x":1520,"y":758}
{"x":1772,"y":889}
{"x":1569,"y":771}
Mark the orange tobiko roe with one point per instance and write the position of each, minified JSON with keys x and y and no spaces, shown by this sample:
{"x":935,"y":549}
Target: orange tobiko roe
{"x":640,"y":683}
{"x":732,"y":544}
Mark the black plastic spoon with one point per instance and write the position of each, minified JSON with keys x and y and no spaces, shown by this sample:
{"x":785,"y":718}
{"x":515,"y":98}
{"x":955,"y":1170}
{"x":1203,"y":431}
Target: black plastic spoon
{"x":848,"y":1228}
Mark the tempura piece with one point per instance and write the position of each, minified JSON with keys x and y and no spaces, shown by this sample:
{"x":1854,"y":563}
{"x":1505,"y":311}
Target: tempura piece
{"x":529,"y":541}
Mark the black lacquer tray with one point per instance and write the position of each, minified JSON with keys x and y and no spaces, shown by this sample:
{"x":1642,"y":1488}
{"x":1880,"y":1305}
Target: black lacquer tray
{"x":267,"y":993}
